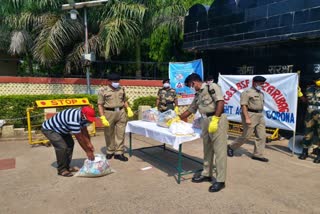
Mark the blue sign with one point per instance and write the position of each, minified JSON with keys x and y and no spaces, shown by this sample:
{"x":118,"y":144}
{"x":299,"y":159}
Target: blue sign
{"x":178,"y":72}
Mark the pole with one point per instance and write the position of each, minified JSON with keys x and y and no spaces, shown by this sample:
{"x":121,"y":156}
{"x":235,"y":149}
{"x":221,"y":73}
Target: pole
{"x":87,"y":50}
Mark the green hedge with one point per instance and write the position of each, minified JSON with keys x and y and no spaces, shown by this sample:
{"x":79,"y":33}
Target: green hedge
{"x":142,"y":101}
{"x":13,"y":107}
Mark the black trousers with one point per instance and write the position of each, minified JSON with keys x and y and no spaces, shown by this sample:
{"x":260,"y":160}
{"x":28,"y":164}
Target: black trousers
{"x":63,"y":145}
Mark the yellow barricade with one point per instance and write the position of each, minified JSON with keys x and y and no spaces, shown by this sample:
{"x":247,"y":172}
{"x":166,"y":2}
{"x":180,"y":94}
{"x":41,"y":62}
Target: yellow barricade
{"x":34,"y":134}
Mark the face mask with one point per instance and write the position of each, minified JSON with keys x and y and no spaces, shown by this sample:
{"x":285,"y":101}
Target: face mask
{"x":193,"y":89}
{"x":115,"y":84}
{"x":258,"y":87}
{"x":318,"y":83}
{"x":166,"y":85}
{"x":209,"y":82}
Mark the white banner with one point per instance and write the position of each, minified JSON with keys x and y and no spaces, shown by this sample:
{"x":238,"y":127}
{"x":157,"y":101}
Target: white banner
{"x":280,"y":93}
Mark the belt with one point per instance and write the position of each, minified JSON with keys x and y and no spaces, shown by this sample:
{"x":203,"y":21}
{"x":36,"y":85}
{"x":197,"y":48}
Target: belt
{"x":210,"y":114}
{"x":206,"y":115}
{"x":114,"y":109}
{"x":314,"y":107}
{"x":255,"y":111}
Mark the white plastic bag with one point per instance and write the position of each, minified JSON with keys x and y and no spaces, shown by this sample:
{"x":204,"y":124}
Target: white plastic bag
{"x":164,"y":117}
{"x":181,"y":128}
{"x":97,"y":168}
{"x":197,"y":120}
{"x":150,"y":115}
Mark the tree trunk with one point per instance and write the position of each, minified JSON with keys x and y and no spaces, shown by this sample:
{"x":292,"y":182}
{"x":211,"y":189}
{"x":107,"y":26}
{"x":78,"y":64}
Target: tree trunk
{"x":138,"y":60}
{"x":30,"y":64}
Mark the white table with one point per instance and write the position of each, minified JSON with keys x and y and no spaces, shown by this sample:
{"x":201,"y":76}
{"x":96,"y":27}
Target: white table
{"x":152,"y":130}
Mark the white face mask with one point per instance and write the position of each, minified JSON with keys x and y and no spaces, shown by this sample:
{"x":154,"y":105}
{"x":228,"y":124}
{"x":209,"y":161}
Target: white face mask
{"x":166,"y":85}
{"x":209,"y":82}
{"x":258,"y":87}
{"x":115,"y":84}
{"x":193,"y":89}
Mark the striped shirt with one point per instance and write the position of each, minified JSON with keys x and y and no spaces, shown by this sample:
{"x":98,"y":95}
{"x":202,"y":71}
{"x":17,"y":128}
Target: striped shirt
{"x":64,"y":122}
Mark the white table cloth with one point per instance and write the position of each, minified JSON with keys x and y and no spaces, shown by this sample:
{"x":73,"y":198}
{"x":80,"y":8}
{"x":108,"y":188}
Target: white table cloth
{"x":161,"y":134}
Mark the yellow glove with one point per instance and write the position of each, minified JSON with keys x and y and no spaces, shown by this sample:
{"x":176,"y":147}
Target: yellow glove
{"x":129,"y":112}
{"x":213,"y":126}
{"x":104,"y":121}
{"x":176,"y":119}
{"x":176,"y":110}
{"x":300,"y":94}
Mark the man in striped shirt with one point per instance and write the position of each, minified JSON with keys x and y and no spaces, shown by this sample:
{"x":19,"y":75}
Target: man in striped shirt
{"x":59,"y":130}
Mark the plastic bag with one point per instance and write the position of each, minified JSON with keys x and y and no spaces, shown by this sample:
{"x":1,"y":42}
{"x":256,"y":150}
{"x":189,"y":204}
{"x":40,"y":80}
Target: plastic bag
{"x":164,"y":117}
{"x":181,"y":128}
{"x":150,"y":115}
{"x":197,"y":120}
{"x":97,"y":168}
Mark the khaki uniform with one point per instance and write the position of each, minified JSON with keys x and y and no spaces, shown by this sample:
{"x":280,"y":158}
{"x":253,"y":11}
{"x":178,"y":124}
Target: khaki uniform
{"x":166,"y":99}
{"x":312,"y":120}
{"x":113,"y":102}
{"x":216,"y":143}
{"x":254,"y":100}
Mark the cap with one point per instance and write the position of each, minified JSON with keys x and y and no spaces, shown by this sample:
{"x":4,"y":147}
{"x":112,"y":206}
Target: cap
{"x":165,"y":80}
{"x":114,"y":76}
{"x":259,"y":79}
{"x":89,"y":113}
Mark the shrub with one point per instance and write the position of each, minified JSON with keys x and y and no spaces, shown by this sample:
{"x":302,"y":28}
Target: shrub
{"x":148,"y":101}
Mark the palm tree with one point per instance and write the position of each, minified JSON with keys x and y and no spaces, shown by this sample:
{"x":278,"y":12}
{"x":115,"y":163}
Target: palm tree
{"x":57,"y":37}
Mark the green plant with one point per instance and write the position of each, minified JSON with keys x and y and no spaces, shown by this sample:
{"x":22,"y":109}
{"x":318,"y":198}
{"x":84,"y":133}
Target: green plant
{"x":149,"y":101}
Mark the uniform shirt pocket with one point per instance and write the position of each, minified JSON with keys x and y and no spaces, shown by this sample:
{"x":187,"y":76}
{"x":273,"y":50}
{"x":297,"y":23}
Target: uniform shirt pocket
{"x":206,"y":100}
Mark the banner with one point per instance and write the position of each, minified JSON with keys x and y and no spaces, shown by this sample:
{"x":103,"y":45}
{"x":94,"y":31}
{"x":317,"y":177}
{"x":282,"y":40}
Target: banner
{"x":178,"y":71}
{"x":280,"y":98}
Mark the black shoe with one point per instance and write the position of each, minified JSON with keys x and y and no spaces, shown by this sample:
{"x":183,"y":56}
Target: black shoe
{"x":260,"y":159}
{"x":109,"y":156}
{"x":304,"y":154}
{"x":121,"y":157}
{"x":229,"y":151}
{"x":217,"y":186}
{"x":317,"y":159}
{"x":201,"y":178}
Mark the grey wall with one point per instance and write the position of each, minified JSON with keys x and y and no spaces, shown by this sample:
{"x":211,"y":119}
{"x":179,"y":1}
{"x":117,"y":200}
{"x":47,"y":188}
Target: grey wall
{"x":227,"y":24}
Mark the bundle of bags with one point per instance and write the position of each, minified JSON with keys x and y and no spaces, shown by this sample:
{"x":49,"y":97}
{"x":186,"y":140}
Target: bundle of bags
{"x":168,"y":119}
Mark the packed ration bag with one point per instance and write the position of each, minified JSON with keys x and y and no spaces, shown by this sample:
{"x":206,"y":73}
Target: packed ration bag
{"x":164,"y":117}
{"x":96,"y":168}
{"x":150,"y":115}
{"x":197,"y":120}
{"x":181,"y":128}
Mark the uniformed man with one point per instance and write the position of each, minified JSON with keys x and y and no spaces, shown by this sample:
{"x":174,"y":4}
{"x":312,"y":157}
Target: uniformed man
{"x":312,"y":122}
{"x":167,"y":98}
{"x":252,"y":101}
{"x":112,"y":104}
{"x":209,"y":102}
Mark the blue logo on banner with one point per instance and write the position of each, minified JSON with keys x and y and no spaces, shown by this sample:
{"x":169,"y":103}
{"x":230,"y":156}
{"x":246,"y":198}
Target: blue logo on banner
{"x":178,"y":72}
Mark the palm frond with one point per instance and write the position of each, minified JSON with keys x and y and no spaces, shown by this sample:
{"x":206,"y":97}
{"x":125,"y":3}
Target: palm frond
{"x":56,"y":32}
{"x":171,"y":16}
{"x":21,"y":43}
{"x":74,"y":59}
{"x":121,"y":26}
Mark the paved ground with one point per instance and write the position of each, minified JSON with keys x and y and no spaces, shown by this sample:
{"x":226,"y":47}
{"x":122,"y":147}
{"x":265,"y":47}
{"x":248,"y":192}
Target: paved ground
{"x":284,"y":185}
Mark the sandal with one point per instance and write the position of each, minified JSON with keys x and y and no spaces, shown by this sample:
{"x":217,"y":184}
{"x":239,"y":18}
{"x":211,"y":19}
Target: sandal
{"x":65,"y":173}
{"x":74,"y":169}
